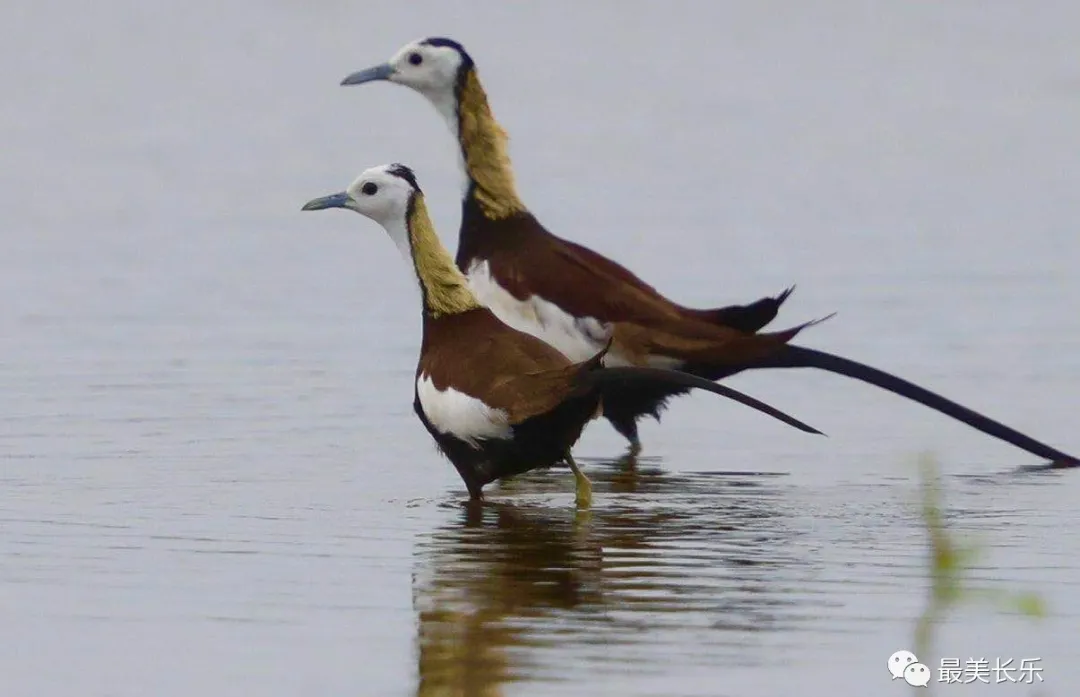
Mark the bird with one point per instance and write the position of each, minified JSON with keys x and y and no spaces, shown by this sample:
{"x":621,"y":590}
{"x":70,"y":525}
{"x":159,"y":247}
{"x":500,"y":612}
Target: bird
{"x":497,"y":401}
{"x":442,"y":70}
{"x":567,"y":294}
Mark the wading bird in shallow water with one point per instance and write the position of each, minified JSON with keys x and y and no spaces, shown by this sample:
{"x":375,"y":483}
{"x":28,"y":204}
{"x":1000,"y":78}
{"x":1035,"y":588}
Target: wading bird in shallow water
{"x":498,"y":402}
{"x":569,"y":295}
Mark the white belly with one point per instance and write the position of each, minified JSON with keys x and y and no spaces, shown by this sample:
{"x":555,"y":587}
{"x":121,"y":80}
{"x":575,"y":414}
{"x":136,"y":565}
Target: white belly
{"x":577,"y":338}
{"x":457,"y":414}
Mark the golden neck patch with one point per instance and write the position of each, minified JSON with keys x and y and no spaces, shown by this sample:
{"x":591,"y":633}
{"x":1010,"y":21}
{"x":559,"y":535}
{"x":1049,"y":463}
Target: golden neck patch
{"x":484,"y":148}
{"x":445,"y":290}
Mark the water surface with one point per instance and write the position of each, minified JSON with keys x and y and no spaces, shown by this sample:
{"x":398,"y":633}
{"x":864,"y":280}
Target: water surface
{"x":213,"y":482}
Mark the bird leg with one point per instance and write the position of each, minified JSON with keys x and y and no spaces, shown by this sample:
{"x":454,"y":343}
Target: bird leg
{"x":475,"y":489}
{"x":583,"y":487}
{"x":626,"y":426}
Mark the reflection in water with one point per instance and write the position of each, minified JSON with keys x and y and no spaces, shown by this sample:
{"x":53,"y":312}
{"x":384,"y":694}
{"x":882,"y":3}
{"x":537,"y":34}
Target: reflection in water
{"x":506,"y":587}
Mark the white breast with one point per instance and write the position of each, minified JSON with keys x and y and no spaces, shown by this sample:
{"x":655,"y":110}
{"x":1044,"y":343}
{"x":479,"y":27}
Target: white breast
{"x":457,"y":414}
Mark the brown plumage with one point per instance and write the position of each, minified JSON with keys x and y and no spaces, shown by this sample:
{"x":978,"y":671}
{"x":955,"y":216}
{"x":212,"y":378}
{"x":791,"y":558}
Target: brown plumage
{"x":563,"y":292}
{"x":526,"y":261}
{"x":497,"y":401}
{"x":475,"y":353}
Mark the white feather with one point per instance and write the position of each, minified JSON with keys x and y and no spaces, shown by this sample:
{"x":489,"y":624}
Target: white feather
{"x":457,"y":414}
{"x":577,"y":338}
{"x":436,"y":79}
{"x":445,"y":102}
{"x":398,"y":229}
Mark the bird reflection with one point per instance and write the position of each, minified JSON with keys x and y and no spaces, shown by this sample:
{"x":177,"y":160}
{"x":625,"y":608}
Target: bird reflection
{"x":511,"y":582}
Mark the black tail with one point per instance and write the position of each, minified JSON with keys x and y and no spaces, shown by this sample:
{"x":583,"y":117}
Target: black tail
{"x":747,"y":318}
{"x":673,"y":378}
{"x":800,"y":357}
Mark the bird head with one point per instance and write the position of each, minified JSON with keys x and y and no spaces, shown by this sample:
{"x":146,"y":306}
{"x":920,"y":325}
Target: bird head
{"x":433,"y":67}
{"x":381,"y":193}
{"x":390,"y":196}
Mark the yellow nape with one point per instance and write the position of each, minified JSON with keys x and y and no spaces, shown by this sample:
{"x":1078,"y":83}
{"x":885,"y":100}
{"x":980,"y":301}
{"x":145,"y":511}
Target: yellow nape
{"x":484,"y":147}
{"x":445,"y":290}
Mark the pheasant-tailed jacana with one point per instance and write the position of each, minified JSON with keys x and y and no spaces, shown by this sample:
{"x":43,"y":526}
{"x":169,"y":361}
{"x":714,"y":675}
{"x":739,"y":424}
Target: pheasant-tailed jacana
{"x":568,"y":295}
{"x":497,"y":401}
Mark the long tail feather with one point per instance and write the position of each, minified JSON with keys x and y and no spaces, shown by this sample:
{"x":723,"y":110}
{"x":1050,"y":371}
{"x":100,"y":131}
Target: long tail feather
{"x":671,"y":377}
{"x":787,"y":335}
{"x":749,"y":318}
{"x":800,"y":357}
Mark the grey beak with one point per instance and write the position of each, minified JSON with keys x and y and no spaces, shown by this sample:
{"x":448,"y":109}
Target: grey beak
{"x":338,"y":200}
{"x":377,"y":72}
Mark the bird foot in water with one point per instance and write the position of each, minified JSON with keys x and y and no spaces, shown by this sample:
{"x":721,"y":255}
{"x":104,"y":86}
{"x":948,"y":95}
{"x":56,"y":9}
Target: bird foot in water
{"x":583,"y":492}
{"x":582,"y":485}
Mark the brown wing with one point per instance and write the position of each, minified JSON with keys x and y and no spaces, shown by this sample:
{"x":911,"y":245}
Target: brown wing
{"x":726,"y":347}
{"x":609,"y":267}
{"x":477,"y":354}
{"x":645,"y":322}
{"x":605,"y":291}
{"x":745,"y":318}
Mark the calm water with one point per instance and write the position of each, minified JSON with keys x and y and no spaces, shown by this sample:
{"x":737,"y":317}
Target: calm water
{"x":212,"y":480}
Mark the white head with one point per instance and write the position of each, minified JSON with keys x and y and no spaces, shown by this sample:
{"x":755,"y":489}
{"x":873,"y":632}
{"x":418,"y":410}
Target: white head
{"x":442,"y":70}
{"x":384,"y":194}
{"x":390,"y":196}
{"x":431,"y":66}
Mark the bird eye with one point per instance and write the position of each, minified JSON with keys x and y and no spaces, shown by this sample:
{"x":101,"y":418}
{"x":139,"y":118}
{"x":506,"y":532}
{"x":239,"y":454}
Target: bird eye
{"x":416,"y":58}
{"x":369,"y":189}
